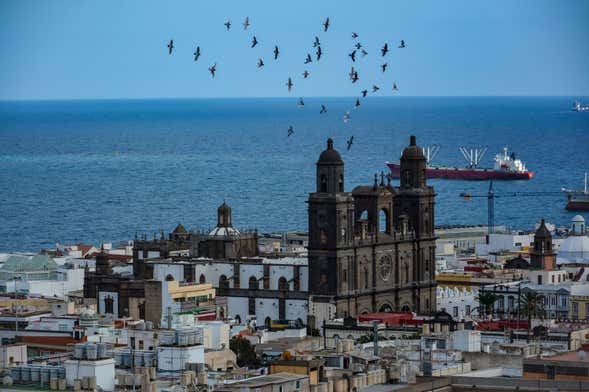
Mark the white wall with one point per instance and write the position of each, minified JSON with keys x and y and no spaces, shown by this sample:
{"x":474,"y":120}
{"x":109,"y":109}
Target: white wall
{"x":174,"y":358}
{"x":103,"y":370}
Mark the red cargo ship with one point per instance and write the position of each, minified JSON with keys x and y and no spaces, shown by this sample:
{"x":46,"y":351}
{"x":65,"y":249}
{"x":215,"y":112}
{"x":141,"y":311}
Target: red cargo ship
{"x":507,"y":167}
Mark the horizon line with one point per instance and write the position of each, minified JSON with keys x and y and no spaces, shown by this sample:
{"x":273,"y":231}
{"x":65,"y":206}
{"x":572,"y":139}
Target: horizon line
{"x":280,"y":97}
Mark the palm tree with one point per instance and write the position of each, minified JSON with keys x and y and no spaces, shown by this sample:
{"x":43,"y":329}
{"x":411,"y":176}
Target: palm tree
{"x":486,"y":301}
{"x":532,"y":306}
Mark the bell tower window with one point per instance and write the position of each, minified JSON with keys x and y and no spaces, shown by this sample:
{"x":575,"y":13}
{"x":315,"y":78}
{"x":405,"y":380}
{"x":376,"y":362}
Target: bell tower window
{"x":323,"y":183}
{"x":341,"y":183}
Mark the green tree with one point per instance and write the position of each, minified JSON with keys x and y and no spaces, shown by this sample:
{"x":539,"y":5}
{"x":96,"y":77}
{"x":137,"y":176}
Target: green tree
{"x":532,"y":306}
{"x":486,"y":302}
{"x":245,"y":352}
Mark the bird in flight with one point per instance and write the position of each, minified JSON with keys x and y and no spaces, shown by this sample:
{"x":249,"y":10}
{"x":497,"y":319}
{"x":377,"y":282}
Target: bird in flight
{"x":395,"y":87}
{"x":316,"y":43}
{"x":375,"y":88}
{"x":355,"y":77}
{"x":308,"y":59}
{"x":353,"y":56}
{"x":276,"y":51}
{"x":254,"y":41}
{"x":323,"y":109}
{"x":228,"y":24}
{"x":364,"y":92}
{"x":260,"y":63}
{"x":213,"y":69}
{"x":402,"y":45}
{"x":347,"y":117}
{"x":358,"y":45}
{"x":384,"y":66}
{"x":305,"y":74}
{"x":326,"y":25}
{"x":319,"y":53}
{"x":364,"y":53}
{"x":385,"y":49}
{"x":171,"y":46}
{"x":197,"y":53}
{"x":290,"y":131}
{"x":350,"y":142}
{"x":357,"y":104}
{"x":289,"y":84}
{"x":246,"y":24}
{"x":351,"y":74}
{"x":354,"y":35}
{"x":301,"y":103}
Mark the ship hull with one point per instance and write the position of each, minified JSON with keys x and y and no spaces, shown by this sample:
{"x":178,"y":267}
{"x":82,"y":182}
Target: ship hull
{"x":577,"y":205}
{"x":465,"y":173}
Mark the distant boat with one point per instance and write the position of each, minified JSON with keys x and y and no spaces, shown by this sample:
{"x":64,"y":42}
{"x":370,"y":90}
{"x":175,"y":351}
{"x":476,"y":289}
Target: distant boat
{"x":506,"y":167}
{"x":577,"y":199}
{"x":578,"y":108}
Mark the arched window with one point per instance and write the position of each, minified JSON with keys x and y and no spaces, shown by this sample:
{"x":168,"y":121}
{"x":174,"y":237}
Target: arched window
{"x":322,"y":237}
{"x":109,"y":305}
{"x":237,"y":319}
{"x":364,"y":215}
{"x":202,"y":279}
{"x":323,"y":183}
{"x":341,"y":183}
{"x":383,"y":221}
{"x":406,"y":268}
{"x":267,"y":322}
{"x":223,"y":282}
{"x":253,"y":283}
{"x":366,"y":277}
{"x":282,"y":284}
{"x":385,"y":308}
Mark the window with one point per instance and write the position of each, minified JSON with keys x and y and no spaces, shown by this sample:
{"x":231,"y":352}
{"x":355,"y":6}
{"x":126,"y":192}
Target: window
{"x":223,"y":282}
{"x":553,"y":278}
{"x":323,"y":183}
{"x":586,"y":310}
{"x":539,"y":279}
{"x":468,"y":310}
{"x":202,"y":279}
{"x":253,"y":283}
{"x":109,"y":305}
{"x":282,"y":284}
{"x":501,"y":303}
{"x":251,"y":308}
{"x":575,"y":309}
{"x":455,"y":311}
{"x":340,"y":185}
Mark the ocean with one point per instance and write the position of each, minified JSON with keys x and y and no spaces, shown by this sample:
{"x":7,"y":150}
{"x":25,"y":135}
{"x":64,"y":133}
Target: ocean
{"x":101,"y":171}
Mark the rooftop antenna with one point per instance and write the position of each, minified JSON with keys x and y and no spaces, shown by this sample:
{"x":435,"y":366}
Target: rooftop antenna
{"x":473,"y":155}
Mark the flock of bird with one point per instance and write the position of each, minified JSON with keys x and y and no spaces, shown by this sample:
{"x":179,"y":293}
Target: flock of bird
{"x":353,"y":74}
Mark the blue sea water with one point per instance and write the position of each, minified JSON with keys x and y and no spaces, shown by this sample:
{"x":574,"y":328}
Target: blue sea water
{"x":94,"y":171}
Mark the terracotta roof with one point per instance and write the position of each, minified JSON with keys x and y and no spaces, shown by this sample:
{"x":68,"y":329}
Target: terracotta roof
{"x":84,"y":248}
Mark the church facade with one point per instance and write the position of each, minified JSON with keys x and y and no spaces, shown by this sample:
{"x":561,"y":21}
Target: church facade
{"x":372,"y":249}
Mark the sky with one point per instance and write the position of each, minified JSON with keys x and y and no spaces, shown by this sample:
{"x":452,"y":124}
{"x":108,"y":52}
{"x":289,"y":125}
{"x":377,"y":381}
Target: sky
{"x":111,"y":49}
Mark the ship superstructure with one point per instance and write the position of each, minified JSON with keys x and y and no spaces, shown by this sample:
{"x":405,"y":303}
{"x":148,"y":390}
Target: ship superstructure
{"x":577,"y":199}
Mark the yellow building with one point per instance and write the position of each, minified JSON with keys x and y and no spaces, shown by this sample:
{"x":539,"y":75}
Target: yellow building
{"x":310,"y":368}
{"x":460,"y":280}
{"x":579,"y":302}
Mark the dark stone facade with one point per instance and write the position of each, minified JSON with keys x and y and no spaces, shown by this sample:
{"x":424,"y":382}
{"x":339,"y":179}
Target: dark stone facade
{"x":223,"y":243}
{"x":372,"y":249}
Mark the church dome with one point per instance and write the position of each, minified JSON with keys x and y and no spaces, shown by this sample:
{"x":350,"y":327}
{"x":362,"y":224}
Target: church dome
{"x":88,"y":315}
{"x":330,"y":155}
{"x":575,"y":248}
{"x":224,"y":232}
{"x":413,"y":151}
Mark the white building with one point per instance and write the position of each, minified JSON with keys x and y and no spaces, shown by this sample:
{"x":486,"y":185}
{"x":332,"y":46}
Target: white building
{"x":459,"y":303}
{"x":261,"y":289}
{"x":40,"y":275}
{"x":175,"y":358}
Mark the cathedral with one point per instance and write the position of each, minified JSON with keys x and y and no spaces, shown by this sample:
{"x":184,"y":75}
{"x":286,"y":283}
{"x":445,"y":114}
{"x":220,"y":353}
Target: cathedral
{"x":372,"y":249}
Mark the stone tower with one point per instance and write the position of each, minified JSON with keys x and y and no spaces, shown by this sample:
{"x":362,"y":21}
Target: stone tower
{"x":330,"y":223}
{"x":543,"y":256}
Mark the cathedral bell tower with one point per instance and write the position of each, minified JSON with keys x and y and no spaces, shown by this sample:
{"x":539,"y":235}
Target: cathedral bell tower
{"x":543,"y":255}
{"x":415,"y":198}
{"x":330,"y":222}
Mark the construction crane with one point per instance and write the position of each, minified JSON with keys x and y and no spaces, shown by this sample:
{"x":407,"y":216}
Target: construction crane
{"x":491,"y":195}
